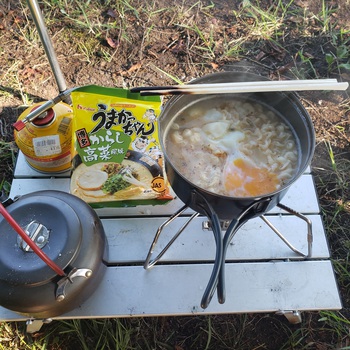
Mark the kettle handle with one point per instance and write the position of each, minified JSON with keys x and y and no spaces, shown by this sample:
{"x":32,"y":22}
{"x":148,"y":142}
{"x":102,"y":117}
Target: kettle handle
{"x":4,"y":199}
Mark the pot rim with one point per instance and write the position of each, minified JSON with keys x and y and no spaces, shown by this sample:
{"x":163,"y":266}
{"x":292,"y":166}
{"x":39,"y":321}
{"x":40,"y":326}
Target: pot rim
{"x":290,"y":95}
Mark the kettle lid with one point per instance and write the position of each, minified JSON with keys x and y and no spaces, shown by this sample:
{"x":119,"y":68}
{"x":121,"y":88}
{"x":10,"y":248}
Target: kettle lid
{"x":55,"y":227}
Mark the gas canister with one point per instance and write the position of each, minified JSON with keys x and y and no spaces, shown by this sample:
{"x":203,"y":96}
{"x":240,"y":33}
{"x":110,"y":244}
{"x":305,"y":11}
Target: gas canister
{"x":46,"y":141}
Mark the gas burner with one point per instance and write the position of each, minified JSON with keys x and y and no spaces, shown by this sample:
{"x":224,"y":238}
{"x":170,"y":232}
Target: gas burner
{"x":225,"y":225}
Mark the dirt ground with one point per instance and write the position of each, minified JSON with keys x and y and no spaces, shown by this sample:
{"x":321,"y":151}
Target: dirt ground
{"x":172,"y":49}
{"x":139,"y":60}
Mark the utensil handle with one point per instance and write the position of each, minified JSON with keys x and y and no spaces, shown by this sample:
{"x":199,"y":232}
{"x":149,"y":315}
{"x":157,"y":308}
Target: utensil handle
{"x":48,"y":47}
{"x":20,"y":124}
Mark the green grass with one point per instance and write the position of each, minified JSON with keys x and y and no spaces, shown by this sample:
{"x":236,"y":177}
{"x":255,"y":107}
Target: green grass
{"x":265,"y":23}
{"x":7,"y":156}
{"x":206,"y":42}
{"x":339,"y":60}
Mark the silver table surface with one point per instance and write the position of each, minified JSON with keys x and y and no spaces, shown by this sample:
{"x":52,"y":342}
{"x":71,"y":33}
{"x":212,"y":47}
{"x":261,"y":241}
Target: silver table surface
{"x":262,"y":273}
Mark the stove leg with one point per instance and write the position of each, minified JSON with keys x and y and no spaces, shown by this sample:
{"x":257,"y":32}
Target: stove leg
{"x":148,"y":263}
{"x":34,"y":325}
{"x":293,"y":316}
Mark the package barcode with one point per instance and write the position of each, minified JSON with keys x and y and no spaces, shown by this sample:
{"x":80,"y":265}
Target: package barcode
{"x":44,"y":143}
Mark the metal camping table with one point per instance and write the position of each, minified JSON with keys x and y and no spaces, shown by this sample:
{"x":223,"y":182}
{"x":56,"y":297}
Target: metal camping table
{"x":262,"y":273}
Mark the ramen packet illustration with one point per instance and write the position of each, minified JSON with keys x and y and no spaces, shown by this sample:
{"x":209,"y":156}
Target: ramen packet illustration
{"x":117,"y":160}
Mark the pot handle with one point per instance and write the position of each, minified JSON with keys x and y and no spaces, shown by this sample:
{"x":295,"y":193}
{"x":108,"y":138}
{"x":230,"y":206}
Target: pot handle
{"x":232,"y":229}
{"x":210,"y":213}
{"x":230,"y":232}
{"x":252,"y":211}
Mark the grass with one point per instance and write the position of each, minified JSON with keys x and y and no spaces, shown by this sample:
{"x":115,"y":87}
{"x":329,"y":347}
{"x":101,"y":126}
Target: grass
{"x":7,"y":156}
{"x":340,"y":59}
{"x":194,"y":40}
{"x":335,"y":187}
{"x":206,"y":43}
{"x":265,"y":23}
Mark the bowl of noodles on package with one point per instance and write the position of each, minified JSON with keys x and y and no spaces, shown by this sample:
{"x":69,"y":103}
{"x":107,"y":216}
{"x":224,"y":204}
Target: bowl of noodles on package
{"x":117,"y":158}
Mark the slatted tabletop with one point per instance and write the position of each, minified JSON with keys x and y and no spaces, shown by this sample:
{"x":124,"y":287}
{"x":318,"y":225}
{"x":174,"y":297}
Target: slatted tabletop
{"x":262,"y":273}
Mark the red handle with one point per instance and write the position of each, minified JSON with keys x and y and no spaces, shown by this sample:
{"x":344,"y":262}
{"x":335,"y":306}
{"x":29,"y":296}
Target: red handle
{"x":19,"y":125}
{"x":31,"y":244}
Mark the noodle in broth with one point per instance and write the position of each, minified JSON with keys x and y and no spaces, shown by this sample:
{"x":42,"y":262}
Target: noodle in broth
{"x":237,"y":148}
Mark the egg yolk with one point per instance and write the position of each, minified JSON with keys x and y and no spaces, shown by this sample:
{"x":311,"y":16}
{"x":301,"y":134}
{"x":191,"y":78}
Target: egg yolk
{"x":245,"y":180}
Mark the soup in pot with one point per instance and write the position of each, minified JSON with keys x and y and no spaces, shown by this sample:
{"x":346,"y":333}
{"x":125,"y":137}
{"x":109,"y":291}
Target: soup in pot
{"x":236,"y":148}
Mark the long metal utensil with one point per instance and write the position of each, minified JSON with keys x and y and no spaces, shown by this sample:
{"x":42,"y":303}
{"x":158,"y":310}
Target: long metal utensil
{"x":243,"y":87}
{"x":20,"y":124}
{"x":48,"y":47}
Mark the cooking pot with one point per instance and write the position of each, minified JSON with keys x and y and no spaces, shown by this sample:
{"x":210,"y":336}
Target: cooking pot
{"x":69,"y":234}
{"x":236,"y":210}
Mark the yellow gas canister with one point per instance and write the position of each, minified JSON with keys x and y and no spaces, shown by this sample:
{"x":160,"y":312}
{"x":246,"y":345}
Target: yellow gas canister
{"x":46,"y":141}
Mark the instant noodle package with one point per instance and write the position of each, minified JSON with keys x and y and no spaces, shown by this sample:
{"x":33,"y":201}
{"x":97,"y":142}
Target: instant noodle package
{"x":117,"y":160}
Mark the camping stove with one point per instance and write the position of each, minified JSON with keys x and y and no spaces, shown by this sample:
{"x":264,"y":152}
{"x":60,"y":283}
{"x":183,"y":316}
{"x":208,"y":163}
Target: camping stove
{"x":149,"y":262}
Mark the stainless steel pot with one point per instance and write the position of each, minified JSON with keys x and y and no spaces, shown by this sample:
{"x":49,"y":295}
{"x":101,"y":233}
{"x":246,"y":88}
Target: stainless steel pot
{"x":237,"y":210}
{"x":70,"y":234}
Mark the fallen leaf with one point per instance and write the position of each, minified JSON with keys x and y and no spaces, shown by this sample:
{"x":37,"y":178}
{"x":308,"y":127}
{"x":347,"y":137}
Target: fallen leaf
{"x":260,"y":55}
{"x":300,"y":3}
{"x":275,"y":51}
{"x":112,"y":13}
{"x":275,"y":47}
{"x":134,"y":67}
{"x":18,"y":19}
{"x":214,"y":65}
{"x":284,"y":68}
{"x":345,"y":76}
{"x":178,"y":347}
{"x":153,"y":54}
{"x":29,"y":72}
{"x":112,"y":43}
{"x":308,"y":55}
{"x":296,"y":19}
{"x":180,"y":48}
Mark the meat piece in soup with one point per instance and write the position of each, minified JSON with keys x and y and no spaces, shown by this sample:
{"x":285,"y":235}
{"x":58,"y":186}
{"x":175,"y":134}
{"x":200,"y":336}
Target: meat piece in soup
{"x":236,"y":148}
